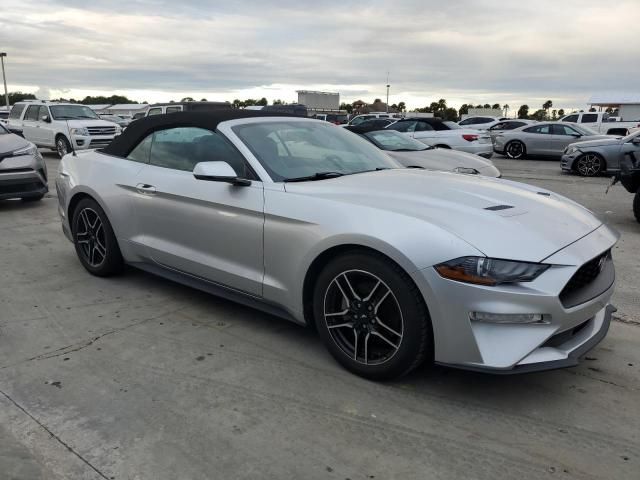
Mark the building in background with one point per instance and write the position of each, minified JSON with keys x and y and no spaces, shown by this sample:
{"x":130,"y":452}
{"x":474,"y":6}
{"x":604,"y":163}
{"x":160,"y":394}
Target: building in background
{"x":619,"y":104}
{"x":321,"y":104}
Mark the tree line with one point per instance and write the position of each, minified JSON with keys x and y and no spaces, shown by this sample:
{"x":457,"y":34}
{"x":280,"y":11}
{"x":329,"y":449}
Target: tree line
{"x":439,"y":108}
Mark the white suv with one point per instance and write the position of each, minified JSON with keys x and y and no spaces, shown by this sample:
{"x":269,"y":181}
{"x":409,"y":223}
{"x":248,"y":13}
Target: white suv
{"x":55,"y":125}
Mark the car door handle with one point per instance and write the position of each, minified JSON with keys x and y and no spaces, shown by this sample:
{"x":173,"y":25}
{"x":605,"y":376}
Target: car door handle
{"x":146,"y":188}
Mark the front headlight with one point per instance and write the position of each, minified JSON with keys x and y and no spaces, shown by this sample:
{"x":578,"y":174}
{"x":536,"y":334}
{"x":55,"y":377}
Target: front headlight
{"x":31,"y":149}
{"x":571,"y":150}
{"x":489,"y":271}
{"x":80,"y":131}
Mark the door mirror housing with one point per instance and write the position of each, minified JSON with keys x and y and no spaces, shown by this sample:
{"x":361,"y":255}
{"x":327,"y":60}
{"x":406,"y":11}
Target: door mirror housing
{"x":218,"y":172}
{"x":576,"y":135}
{"x":46,"y":118}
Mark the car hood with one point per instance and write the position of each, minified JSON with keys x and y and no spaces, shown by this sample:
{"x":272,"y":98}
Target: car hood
{"x":445,"y":160}
{"x":88,"y":122}
{"x":500,"y":218}
{"x":607,"y":140}
{"x":10,"y":143}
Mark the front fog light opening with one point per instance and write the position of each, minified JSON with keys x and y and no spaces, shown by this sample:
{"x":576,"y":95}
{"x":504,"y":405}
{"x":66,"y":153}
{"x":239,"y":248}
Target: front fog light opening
{"x":521,"y":318}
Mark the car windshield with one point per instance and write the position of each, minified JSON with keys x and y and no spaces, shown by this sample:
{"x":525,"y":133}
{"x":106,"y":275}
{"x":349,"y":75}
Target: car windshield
{"x":297,"y":149}
{"x":395,"y":142}
{"x":452,"y":125}
{"x":629,"y":138}
{"x":3,"y":131}
{"x":72,"y":112}
{"x":585,"y":130}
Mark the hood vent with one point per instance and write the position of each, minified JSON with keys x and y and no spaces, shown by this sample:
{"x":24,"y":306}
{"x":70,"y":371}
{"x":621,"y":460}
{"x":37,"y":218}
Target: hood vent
{"x":495,"y":208}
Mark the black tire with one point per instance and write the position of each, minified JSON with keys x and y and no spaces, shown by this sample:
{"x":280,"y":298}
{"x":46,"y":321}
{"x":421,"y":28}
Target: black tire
{"x":95,"y":242}
{"x":590,"y":165}
{"x":62,"y":145}
{"x":636,"y":206}
{"x":402,"y":312}
{"x":515,"y":150}
{"x":35,"y":198}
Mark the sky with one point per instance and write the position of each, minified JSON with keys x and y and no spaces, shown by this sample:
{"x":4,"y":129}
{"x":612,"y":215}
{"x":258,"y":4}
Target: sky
{"x":466,"y":51}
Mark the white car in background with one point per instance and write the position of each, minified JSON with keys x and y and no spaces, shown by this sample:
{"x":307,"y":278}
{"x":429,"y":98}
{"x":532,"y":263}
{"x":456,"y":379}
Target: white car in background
{"x":55,"y":125}
{"x":480,"y":122}
{"x":370,"y":116}
{"x":445,"y":134}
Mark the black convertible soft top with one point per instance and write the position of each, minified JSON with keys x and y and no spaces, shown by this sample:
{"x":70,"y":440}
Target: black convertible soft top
{"x":122,"y":145}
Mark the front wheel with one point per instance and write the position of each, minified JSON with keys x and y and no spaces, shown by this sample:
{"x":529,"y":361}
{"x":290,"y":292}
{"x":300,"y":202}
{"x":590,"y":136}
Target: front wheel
{"x":636,"y":206}
{"x":590,"y":165}
{"x":515,"y":150}
{"x":62,"y":146}
{"x":95,"y":242}
{"x":371,"y":316}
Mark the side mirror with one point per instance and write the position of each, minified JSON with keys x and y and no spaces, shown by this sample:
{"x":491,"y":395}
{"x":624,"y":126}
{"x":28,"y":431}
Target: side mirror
{"x":576,"y":135}
{"x":46,"y":118}
{"x":218,"y":172}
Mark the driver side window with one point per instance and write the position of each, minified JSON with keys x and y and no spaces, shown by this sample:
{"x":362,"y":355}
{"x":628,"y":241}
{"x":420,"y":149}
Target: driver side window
{"x":564,"y":130}
{"x":184,"y":147}
{"x":542,"y":129}
{"x":404,"y":127}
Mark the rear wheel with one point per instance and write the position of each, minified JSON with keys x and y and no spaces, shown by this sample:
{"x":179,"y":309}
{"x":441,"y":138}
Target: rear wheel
{"x":62,"y":145}
{"x":590,"y":165}
{"x":95,"y":242}
{"x":515,"y":150}
{"x":636,"y":206}
{"x":371,"y":316}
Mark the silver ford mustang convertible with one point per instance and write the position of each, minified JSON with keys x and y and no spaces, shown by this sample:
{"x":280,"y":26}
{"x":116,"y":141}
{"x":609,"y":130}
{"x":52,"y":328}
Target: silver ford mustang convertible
{"x":393,"y":266}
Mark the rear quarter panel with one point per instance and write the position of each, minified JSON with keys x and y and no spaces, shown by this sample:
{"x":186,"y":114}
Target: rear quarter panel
{"x":108,"y":180}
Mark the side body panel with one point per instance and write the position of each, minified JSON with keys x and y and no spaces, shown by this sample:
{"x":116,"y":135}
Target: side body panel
{"x":212,"y":230}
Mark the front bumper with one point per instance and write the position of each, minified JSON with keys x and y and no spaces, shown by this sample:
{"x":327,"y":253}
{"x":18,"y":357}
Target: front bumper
{"x":566,"y":162}
{"x":23,"y":176}
{"x":565,"y":352}
{"x":571,"y":326}
{"x":83,"y":142}
{"x":485,"y":150}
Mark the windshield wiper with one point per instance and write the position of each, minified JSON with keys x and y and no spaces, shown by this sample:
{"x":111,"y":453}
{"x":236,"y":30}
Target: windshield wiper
{"x":315,"y":176}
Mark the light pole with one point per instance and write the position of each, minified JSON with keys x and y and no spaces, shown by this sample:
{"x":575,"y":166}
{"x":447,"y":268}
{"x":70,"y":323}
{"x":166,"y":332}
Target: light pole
{"x":4,"y":78}
{"x":388,"y":92}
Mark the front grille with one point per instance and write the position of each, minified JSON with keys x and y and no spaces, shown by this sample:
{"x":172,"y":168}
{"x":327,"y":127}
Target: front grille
{"x":584,"y":277}
{"x":101,"y":130}
{"x":559,"y":338}
{"x":98,"y":143}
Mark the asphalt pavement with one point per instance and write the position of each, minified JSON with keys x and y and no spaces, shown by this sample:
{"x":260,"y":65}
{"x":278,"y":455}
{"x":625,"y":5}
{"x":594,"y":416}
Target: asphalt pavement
{"x":135,"y":378}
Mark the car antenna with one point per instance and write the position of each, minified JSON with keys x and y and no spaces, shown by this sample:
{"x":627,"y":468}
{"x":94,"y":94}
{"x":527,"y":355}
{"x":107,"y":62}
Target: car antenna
{"x":73,"y":150}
